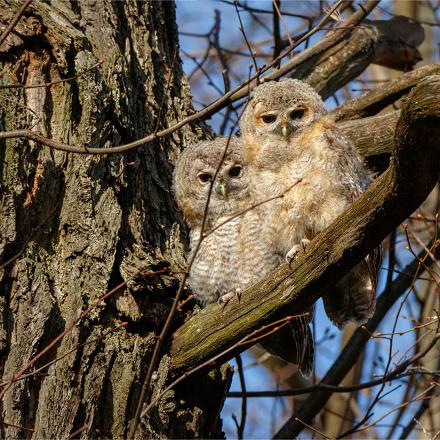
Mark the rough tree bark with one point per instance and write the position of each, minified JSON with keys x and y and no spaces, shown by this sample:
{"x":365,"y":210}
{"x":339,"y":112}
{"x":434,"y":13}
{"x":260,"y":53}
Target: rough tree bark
{"x":78,"y":225}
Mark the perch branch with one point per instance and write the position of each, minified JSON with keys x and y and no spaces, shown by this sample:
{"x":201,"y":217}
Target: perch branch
{"x":317,"y":400}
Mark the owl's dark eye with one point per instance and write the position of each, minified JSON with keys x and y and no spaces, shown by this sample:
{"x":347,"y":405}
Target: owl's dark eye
{"x":297,"y":114}
{"x":268,"y":119}
{"x":204,"y":177}
{"x":235,"y":171}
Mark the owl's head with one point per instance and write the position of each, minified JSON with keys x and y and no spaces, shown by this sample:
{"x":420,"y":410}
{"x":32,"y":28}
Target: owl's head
{"x":281,"y":108}
{"x":196,"y":172}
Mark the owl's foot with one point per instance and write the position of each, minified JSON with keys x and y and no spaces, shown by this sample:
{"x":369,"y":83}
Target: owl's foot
{"x":293,"y":253}
{"x":224,"y":299}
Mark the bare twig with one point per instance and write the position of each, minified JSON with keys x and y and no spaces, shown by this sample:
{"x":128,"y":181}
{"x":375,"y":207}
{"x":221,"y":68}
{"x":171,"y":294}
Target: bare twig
{"x":277,"y":47}
{"x":69,"y":328}
{"x":73,"y":350}
{"x":241,"y":28}
{"x":241,"y":426}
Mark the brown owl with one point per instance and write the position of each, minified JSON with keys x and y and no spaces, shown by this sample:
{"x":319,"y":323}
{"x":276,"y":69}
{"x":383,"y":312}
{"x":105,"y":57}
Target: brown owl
{"x":287,"y":140}
{"x":237,"y":252}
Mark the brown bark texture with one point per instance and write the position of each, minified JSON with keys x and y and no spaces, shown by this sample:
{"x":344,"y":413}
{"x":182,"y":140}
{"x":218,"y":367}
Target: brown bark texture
{"x":78,"y":225}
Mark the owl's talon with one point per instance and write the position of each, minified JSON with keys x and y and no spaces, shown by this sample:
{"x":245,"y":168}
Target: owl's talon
{"x":224,"y":299}
{"x":293,"y":253}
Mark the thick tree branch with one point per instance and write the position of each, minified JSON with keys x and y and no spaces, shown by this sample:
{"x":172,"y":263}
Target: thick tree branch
{"x":368,"y":141}
{"x":375,"y":145}
{"x":373,"y":102}
{"x":388,"y":201}
{"x":341,"y":62}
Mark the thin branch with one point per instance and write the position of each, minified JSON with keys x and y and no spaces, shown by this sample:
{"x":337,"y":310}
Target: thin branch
{"x":73,"y":350}
{"x":241,"y":29}
{"x":241,"y":426}
{"x":277,"y":47}
{"x":69,"y":328}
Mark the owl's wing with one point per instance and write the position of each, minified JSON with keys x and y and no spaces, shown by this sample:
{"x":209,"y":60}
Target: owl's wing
{"x":304,"y":345}
{"x":294,"y":344}
{"x":354,"y":297}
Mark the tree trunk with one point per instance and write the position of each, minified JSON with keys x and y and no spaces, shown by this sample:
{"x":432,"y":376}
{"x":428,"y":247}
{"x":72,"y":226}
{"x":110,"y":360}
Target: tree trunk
{"x":76,"y":226}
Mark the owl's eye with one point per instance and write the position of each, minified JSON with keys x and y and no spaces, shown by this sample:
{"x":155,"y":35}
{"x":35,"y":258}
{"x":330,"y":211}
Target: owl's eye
{"x":235,"y":171}
{"x":268,"y":119}
{"x":297,"y":114}
{"x":204,"y":177}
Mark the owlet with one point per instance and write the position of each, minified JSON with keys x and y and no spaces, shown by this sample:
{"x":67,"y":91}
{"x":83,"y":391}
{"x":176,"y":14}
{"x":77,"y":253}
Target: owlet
{"x":234,"y":252}
{"x":289,"y":143}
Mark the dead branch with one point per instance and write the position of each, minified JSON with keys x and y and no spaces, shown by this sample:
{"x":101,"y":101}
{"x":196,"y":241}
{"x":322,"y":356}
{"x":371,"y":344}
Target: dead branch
{"x":341,"y":62}
{"x":372,"y":142}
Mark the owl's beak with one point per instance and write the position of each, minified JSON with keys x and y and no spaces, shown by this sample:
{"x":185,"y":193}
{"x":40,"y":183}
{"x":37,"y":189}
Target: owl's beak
{"x":285,"y":130}
{"x":220,"y":188}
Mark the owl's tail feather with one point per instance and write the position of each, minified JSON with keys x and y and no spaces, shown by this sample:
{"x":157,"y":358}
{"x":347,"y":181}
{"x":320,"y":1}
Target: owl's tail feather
{"x":354,"y":297}
{"x":294,"y":344}
{"x":304,"y":352}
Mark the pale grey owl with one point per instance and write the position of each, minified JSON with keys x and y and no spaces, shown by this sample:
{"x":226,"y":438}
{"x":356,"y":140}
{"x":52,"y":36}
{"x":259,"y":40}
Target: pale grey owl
{"x":234,"y":253}
{"x":289,"y":143}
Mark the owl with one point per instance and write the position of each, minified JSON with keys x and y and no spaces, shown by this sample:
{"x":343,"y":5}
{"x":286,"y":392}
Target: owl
{"x":213,"y":191}
{"x":292,"y":148}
